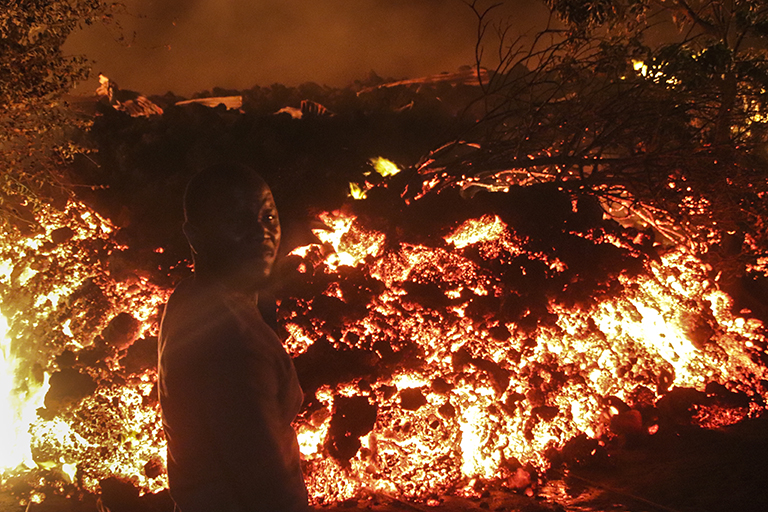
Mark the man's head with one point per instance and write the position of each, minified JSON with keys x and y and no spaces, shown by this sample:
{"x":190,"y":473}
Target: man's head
{"x":231,"y":224}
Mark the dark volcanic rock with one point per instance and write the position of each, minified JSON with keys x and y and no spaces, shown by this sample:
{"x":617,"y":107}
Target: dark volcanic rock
{"x":140,"y":356}
{"x":61,"y":235}
{"x":353,"y":417}
{"x":68,"y":386}
{"x":412,"y":399}
{"x":119,"y":495}
{"x":323,"y":363}
{"x":121,"y":331}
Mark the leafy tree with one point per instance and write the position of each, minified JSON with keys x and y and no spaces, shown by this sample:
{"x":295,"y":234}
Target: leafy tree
{"x":34,"y":75}
{"x":657,"y":107}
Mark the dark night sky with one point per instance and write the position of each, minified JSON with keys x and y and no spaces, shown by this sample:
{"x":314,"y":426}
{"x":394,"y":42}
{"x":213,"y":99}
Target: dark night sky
{"x":192,"y":45}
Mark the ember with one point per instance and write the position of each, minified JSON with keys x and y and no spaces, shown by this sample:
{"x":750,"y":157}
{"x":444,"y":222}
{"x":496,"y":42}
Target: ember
{"x":434,"y":362}
{"x":463,"y":392}
{"x":79,"y":414}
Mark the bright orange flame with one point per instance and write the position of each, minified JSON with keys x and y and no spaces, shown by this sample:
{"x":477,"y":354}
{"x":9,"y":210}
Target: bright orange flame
{"x":18,"y":406}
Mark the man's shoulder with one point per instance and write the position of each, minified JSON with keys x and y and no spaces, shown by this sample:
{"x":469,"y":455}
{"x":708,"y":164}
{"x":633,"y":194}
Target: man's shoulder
{"x":193,"y":311}
{"x":189,"y":296}
{"x":196,"y":295}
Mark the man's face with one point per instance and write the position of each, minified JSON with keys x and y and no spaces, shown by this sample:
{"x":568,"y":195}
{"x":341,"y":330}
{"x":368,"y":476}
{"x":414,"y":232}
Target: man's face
{"x":241,"y":237}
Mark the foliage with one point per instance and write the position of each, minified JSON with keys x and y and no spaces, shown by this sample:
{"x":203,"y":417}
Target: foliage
{"x":34,"y":74}
{"x":658,"y":107}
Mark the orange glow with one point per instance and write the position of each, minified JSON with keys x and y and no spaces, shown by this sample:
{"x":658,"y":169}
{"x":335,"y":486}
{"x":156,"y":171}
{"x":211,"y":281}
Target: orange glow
{"x":17,"y":406}
{"x":648,"y":323}
{"x":459,"y":389}
{"x":57,"y":296}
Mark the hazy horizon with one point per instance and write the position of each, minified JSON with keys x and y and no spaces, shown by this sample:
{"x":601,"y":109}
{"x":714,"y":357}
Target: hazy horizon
{"x":188,"y":46}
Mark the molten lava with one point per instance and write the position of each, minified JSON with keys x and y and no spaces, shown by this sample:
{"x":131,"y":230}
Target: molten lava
{"x":470,"y":396}
{"x":431,"y":366}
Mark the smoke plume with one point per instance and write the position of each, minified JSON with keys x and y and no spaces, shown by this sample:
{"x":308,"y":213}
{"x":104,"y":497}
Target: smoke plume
{"x":191,"y":45}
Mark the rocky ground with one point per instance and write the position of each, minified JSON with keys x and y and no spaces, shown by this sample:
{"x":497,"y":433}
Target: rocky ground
{"x":686,"y":471}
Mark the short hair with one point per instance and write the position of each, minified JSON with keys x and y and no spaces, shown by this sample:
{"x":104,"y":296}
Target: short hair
{"x":208,"y":192}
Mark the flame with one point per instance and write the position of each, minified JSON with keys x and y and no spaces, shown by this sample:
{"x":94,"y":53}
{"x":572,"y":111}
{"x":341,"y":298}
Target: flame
{"x":640,"y":66}
{"x":488,"y":228}
{"x":351,"y":245}
{"x":311,"y":439}
{"x":384,"y":166}
{"x":356,"y":191}
{"x":18,"y":405}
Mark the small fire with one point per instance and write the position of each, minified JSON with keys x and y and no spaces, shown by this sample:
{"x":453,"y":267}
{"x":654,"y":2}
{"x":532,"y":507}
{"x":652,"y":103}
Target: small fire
{"x":383,"y":167}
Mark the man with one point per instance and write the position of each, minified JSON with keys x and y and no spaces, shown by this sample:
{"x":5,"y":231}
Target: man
{"x":228,"y":390}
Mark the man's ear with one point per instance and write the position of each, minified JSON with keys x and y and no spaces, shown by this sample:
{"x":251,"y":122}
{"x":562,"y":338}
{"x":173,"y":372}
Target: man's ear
{"x":193,"y":236}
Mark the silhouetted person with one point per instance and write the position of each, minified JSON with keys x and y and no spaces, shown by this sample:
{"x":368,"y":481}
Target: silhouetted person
{"x":228,"y":389}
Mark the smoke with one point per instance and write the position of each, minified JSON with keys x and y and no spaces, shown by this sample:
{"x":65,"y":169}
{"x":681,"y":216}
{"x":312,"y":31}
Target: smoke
{"x":191,"y":45}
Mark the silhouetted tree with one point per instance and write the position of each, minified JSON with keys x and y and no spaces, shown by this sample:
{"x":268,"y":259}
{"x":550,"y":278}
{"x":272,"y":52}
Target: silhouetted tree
{"x":34,"y":74}
{"x":658,"y":107}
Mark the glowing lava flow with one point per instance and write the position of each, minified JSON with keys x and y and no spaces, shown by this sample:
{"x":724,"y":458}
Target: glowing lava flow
{"x":473,"y":396}
{"x":436,"y":367}
{"x":94,"y":417}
